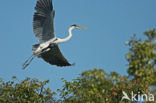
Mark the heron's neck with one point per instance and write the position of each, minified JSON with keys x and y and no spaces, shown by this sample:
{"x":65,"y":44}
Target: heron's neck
{"x":68,"y":37}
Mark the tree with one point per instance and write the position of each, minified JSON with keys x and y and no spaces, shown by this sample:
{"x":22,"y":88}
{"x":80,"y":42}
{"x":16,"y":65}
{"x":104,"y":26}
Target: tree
{"x":25,"y":91}
{"x":142,"y":57}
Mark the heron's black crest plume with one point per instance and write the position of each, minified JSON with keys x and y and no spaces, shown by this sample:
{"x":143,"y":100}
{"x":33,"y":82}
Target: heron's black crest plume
{"x":74,"y":25}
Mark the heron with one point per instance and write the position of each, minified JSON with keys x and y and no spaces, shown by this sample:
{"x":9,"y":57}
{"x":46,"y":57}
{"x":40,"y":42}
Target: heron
{"x":43,"y":27}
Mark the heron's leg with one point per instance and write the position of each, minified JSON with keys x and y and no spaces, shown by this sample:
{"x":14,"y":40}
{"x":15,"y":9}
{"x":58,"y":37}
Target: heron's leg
{"x":28,"y":61}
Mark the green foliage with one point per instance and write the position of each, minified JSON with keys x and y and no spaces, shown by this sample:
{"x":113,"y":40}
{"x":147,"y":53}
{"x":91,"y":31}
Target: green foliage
{"x":142,"y":57}
{"x":95,"y":86}
{"x":26,"y":91}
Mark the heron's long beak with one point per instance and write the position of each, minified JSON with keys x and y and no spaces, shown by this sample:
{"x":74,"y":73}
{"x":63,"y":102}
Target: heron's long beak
{"x":82,"y":27}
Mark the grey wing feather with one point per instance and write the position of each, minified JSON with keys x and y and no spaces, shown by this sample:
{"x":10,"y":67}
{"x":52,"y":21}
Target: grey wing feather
{"x":43,"y":21}
{"x":55,"y":57}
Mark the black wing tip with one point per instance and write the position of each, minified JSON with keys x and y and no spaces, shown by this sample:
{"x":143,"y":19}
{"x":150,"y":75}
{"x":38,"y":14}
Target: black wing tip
{"x":64,"y":65}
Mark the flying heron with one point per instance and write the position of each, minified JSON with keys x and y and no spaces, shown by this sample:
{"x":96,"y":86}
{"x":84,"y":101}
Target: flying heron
{"x":43,"y":27}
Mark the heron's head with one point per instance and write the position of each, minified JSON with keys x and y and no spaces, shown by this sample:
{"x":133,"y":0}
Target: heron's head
{"x":74,"y":26}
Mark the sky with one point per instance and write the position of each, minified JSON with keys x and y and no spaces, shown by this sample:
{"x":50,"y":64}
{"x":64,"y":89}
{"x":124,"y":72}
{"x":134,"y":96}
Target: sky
{"x":110,"y":24}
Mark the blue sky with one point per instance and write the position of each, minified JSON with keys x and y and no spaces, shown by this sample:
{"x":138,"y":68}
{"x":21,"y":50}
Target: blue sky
{"x":110,"y":23}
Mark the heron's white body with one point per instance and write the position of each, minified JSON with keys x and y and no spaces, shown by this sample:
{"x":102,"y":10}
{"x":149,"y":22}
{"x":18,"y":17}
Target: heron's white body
{"x":44,"y":45}
{"x":53,"y":40}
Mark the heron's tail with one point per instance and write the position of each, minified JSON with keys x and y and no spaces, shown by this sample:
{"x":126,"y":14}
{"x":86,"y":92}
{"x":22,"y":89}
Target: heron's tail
{"x":28,"y":61}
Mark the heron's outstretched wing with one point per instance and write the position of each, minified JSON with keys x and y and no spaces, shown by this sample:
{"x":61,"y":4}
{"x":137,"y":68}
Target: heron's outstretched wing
{"x":43,"y":20}
{"x":55,"y":57}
